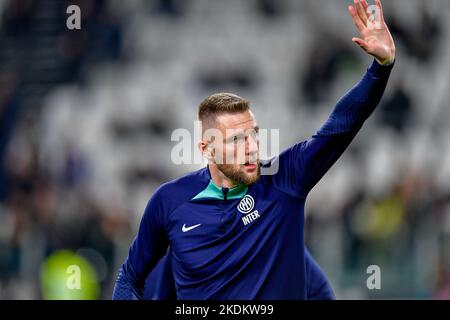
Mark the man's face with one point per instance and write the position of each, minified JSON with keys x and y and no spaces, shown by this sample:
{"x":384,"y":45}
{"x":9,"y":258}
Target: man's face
{"x":236,"y":151}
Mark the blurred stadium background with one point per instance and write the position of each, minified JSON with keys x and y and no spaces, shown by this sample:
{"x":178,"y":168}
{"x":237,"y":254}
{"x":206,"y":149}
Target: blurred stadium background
{"x":86,"y":119}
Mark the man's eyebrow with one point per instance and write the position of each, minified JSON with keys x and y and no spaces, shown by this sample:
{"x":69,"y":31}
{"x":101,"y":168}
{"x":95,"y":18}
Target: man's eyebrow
{"x":240,"y":133}
{"x":235,"y":134}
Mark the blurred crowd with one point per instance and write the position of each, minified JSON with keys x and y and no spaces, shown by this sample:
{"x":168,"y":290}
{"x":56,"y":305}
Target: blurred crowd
{"x":86,"y":118}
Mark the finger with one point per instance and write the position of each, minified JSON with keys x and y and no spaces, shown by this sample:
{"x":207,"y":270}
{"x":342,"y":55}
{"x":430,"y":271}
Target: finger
{"x":380,"y":7}
{"x":361,"y":12}
{"x":360,"y":42}
{"x":356,"y":19}
{"x":365,"y":5}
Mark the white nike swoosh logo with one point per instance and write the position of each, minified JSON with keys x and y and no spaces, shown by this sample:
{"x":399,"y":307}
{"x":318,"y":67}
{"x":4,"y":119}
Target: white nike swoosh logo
{"x":186,"y":229}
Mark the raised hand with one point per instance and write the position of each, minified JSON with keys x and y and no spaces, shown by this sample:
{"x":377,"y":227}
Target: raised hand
{"x":375,"y":38}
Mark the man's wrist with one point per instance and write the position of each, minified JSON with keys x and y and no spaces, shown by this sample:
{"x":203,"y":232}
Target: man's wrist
{"x":379,"y":70}
{"x":387,"y":62}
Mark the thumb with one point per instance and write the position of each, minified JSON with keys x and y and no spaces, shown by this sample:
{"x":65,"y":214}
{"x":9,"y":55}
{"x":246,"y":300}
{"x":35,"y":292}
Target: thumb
{"x":361,"y":43}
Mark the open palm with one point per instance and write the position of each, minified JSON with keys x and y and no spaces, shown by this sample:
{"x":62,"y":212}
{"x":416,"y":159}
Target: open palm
{"x":375,"y":36}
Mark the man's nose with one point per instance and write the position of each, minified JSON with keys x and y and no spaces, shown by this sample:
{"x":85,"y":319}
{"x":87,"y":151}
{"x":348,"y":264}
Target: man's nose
{"x":252,"y":146}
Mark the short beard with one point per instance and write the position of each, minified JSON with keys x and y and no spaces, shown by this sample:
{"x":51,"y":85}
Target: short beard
{"x":237,"y":176}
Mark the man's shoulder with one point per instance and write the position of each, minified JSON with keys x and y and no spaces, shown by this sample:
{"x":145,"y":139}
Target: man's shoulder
{"x":277,"y":164}
{"x":294,"y":148}
{"x":282,"y":171}
{"x":183,"y":188}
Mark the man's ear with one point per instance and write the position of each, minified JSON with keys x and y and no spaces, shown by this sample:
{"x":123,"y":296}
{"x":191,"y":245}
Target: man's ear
{"x":207,"y":150}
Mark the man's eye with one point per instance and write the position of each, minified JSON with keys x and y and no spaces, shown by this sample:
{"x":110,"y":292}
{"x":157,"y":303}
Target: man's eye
{"x":237,"y":139}
{"x":254,"y":134}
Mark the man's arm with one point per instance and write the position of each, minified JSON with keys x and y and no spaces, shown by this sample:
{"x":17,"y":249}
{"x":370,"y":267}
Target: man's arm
{"x":160,"y":284}
{"x":146,"y":250}
{"x":318,"y":287}
{"x":305,"y":163}
{"x":320,"y":152}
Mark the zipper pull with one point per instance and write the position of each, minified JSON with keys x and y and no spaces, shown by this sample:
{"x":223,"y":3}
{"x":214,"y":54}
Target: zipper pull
{"x":225,"y":193}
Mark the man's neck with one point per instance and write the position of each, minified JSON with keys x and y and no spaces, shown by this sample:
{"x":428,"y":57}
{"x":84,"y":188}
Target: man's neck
{"x":219,"y":178}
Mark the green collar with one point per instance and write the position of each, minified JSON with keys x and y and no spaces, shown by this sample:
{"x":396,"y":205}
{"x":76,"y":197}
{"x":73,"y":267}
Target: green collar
{"x":214,"y":192}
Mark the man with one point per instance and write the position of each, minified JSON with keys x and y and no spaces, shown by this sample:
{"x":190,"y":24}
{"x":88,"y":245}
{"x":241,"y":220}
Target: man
{"x":160,"y":284}
{"x":237,"y":234}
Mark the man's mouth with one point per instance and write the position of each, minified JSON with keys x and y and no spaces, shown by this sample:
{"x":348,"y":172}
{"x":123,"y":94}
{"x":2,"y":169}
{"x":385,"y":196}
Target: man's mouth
{"x":249,"y":165}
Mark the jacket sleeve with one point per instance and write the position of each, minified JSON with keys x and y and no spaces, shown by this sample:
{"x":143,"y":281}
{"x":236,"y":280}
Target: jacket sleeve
{"x":304,"y":164}
{"x":148,"y":247}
